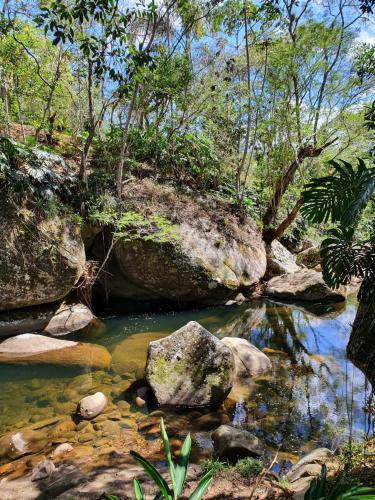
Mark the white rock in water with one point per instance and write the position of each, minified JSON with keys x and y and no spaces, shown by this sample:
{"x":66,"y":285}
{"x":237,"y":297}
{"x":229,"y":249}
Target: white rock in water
{"x":62,"y":449}
{"x":91,"y":406}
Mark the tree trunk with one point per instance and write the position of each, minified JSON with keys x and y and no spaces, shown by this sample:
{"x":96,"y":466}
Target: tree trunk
{"x":124,"y":145}
{"x":283,"y":184}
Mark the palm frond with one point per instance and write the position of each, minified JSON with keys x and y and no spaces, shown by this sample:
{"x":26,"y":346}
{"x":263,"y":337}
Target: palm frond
{"x":339,"y":197}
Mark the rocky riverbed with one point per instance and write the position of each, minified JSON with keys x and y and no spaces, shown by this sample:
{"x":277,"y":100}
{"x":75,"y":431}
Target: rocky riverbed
{"x":298,"y":405}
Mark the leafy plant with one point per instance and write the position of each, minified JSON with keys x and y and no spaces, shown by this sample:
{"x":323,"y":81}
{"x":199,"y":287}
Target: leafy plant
{"x":213,"y":464}
{"x":341,"y":198}
{"x":32,"y":171}
{"x":248,"y":466}
{"x":177,"y":472}
{"x":340,"y":489}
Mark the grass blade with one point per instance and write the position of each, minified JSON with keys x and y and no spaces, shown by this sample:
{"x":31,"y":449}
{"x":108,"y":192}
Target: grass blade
{"x":168,"y":455}
{"x":182,"y":465}
{"x":203,"y":485}
{"x":154,"y":474}
{"x":137,"y":490}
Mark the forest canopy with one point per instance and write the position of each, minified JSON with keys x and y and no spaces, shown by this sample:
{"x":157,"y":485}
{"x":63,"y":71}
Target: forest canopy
{"x":244,"y":100}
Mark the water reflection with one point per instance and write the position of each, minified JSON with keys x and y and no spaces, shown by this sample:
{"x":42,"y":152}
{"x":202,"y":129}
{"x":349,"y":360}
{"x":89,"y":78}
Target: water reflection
{"x":305,"y":402}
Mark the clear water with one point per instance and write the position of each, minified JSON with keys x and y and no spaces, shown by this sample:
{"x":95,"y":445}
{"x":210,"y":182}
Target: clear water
{"x":305,"y":402}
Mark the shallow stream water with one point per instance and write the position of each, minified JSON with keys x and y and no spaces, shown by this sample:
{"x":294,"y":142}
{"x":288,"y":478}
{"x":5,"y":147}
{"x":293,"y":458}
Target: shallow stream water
{"x":308,"y":400}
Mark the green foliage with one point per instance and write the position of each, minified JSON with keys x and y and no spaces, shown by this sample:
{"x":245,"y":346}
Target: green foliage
{"x":249,"y":466}
{"x":340,"y":197}
{"x":32,"y":172}
{"x":213,"y":464}
{"x":351,"y":455}
{"x":179,"y":156}
{"x":177,"y":472}
{"x":340,"y":489}
{"x":133,"y":225}
{"x":101,"y":209}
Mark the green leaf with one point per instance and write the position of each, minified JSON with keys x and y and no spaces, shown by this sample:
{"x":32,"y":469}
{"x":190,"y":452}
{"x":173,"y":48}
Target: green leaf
{"x":167,"y":452}
{"x":182,"y":465}
{"x":203,"y":485}
{"x":137,"y":490}
{"x":154,"y":475}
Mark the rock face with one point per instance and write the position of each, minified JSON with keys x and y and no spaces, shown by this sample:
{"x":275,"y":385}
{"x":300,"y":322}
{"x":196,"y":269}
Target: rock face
{"x":37,"y":349}
{"x":91,"y":406}
{"x":40,"y":260}
{"x":22,"y":443}
{"x":191,"y":367}
{"x":232,"y":443}
{"x":208,"y":260}
{"x":361,"y":349}
{"x":309,"y":467}
{"x":309,"y":258}
{"x":248,"y":360}
{"x":54,"y":319}
{"x":280,"y":260}
{"x":306,"y":285}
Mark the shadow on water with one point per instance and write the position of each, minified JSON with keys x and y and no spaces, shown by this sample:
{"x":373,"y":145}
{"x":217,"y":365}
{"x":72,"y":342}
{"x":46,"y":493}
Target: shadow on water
{"x":302,"y":404}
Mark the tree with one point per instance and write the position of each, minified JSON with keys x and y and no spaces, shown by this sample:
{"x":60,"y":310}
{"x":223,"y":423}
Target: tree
{"x":341,"y":198}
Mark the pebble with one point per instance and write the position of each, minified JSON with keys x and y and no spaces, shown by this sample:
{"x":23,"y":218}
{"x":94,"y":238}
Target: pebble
{"x":139,"y":401}
{"x":62,"y":449}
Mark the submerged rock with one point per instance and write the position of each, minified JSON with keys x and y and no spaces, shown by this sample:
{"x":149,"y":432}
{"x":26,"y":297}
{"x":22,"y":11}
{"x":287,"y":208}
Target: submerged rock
{"x":306,"y":285}
{"x":232,"y":443}
{"x":91,"y":406}
{"x":280,"y":260}
{"x":22,"y":443}
{"x":41,"y":258}
{"x":309,"y":258}
{"x":191,"y":367}
{"x":38,"y":349}
{"x":202,"y":255}
{"x":249,"y":361}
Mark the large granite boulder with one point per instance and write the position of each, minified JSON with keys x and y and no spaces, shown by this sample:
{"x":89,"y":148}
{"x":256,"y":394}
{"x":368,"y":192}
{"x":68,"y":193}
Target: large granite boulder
{"x":280,"y":260}
{"x":361,"y":346}
{"x":38,"y":349}
{"x":41,"y":258}
{"x":69,"y":318}
{"x":309,"y":258}
{"x":54,"y":319}
{"x":306,"y":285}
{"x":191,"y":367}
{"x":249,"y":361}
{"x":232,"y":443}
{"x":178,"y":248}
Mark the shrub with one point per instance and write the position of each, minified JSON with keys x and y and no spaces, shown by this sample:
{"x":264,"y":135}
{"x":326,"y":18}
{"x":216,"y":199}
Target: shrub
{"x":249,"y":466}
{"x":213,"y":464}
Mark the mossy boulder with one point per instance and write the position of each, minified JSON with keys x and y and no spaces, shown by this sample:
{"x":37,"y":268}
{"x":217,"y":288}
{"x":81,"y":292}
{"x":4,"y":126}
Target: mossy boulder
{"x":189,"y":368}
{"x":41,"y":257}
{"x":180,"y":248}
